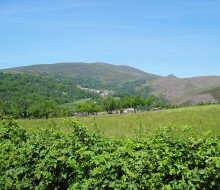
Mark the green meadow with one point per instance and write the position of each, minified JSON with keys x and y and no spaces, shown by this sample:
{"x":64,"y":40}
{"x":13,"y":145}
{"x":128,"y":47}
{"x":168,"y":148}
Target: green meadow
{"x":189,"y":121}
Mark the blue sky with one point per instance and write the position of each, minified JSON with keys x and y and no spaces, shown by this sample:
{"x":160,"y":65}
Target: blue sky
{"x":181,"y":37}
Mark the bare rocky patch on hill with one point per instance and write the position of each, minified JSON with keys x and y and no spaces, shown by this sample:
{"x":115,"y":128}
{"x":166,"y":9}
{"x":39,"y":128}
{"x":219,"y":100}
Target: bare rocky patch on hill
{"x":187,"y":90}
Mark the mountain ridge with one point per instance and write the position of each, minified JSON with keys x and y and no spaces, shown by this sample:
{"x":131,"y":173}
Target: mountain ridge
{"x":191,"y":90}
{"x":103,"y":71}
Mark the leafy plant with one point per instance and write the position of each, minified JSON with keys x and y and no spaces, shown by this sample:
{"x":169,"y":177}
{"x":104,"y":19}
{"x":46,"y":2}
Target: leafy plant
{"x":54,"y":159}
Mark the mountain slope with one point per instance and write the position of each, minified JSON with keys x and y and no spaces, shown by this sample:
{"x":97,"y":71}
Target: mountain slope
{"x":188,"y":90}
{"x":24,"y":87}
{"x":107,"y":73}
{"x":132,"y":81}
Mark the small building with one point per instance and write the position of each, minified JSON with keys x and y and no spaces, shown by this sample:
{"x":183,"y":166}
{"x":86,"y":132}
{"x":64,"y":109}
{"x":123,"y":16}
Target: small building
{"x":129,"y":110}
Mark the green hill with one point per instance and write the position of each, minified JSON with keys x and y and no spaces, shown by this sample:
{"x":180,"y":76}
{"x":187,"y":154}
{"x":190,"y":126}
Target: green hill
{"x":23,"y":94}
{"x":106,"y":73}
{"x":20,"y":92}
{"x":128,"y":80}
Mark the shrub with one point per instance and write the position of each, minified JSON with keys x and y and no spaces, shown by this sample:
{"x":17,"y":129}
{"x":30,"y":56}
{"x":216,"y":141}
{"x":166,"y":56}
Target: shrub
{"x":52,"y":159}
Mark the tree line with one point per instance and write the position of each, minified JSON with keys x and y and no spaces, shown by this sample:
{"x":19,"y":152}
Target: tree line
{"x":110,"y":104}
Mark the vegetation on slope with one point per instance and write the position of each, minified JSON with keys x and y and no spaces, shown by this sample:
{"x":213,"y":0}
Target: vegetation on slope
{"x":41,"y":95}
{"x":21,"y":92}
{"x":215,"y":92}
{"x":107,"y":73}
{"x":120,"y":78}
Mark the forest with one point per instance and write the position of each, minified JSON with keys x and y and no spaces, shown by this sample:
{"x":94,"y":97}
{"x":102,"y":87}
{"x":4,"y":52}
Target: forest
{"x":44,"y":96}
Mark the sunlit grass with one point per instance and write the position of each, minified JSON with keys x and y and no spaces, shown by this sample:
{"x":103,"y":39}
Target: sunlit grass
{"x":184,"y":121}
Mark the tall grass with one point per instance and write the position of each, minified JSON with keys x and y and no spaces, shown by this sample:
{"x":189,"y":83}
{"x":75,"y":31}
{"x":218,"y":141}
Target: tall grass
{"x":194,"y":120}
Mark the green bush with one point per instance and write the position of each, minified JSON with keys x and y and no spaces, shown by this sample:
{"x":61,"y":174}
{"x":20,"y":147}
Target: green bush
{"x":53,"y":159}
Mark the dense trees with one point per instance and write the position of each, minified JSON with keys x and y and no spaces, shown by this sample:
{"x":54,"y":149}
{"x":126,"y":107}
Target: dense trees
{"x":88,"y":108}
{"x":44,"y":109}
{"x":110,"y":104}
{"x":37,"y":88}
{"x":1,"y":110}
{"x":24,"y":95}
{"x":136,"y":102}
{"x":42,"y":95}
{"x":130,"y":88}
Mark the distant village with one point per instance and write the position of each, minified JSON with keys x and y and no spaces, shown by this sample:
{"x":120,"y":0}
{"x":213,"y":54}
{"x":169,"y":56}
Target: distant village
{"x":101,"y":92}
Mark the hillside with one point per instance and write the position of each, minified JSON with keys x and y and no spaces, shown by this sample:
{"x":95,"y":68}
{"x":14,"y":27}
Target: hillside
{"x":188,"y":90}
{"x":107,"y":73}
{"x":44,"y":95}
{"x":129,"y":80}
{"x":21,"y":92}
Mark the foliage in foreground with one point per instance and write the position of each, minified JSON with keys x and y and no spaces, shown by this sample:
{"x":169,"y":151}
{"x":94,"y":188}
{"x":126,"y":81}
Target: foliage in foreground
{"x":52,"y":159}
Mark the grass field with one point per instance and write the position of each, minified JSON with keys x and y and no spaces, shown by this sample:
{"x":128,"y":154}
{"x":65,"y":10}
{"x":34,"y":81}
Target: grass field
{"x":183,"y":122}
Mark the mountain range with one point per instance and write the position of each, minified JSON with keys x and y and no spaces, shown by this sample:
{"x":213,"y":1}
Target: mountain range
{"x":176,"y":90}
